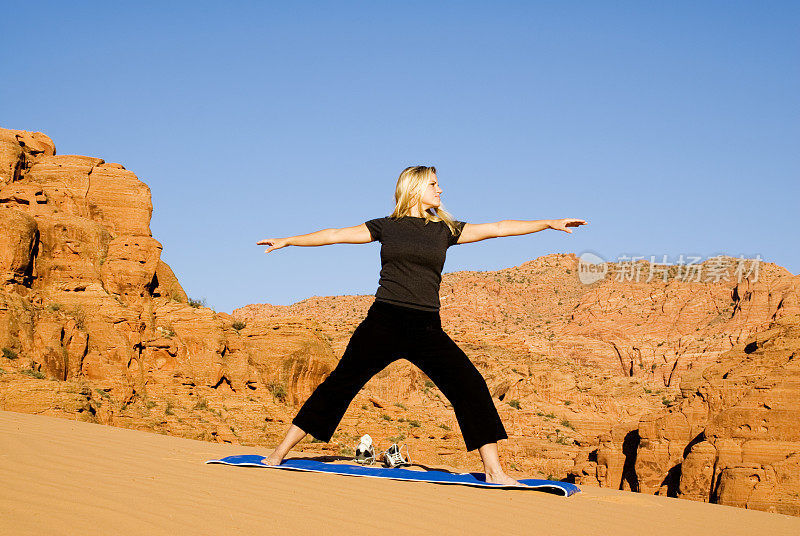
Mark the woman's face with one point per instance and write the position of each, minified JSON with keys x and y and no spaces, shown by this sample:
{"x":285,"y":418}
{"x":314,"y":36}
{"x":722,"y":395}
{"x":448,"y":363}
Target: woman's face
{"x":430,"y":199}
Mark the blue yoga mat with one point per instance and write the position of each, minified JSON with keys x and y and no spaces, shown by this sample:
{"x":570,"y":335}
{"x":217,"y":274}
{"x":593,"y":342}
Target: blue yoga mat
{"x":437,"y":477}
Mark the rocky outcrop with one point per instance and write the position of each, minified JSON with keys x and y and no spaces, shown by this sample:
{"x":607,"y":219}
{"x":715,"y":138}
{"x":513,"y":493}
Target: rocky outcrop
{"x":85,"y":296}
{"x":733,"y":437}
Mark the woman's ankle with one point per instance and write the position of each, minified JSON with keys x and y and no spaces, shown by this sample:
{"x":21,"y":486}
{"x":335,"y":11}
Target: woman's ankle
{"x":495,"y":471}
{"x":292,"y":438}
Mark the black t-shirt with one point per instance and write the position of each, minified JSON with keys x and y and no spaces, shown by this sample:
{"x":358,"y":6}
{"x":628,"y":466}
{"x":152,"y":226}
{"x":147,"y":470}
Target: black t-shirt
{"x":412,"y":258}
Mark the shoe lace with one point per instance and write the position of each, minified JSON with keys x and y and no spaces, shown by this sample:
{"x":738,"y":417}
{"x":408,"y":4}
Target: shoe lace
{"x":393,"y":456}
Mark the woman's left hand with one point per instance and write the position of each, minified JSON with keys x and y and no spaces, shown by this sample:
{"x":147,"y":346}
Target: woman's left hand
{"x":561,"y":225}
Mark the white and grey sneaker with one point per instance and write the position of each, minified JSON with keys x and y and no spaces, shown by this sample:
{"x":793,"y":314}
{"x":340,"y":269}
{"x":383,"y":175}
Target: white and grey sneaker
{"x":393,"y":456}
{"x":365,"y":452}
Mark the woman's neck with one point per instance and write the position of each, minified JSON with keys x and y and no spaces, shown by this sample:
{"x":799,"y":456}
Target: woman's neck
{"x":417,"y":212}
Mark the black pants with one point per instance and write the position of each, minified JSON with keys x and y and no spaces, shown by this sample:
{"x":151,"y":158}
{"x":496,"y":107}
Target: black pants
{"x":391,"y":332}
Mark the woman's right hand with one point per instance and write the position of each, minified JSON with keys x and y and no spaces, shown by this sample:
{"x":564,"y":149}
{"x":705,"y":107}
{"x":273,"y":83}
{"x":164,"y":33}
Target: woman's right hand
{"x":276,"y":243}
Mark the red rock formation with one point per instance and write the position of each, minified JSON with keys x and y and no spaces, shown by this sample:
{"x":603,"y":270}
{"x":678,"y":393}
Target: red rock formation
{"x":85,"y":296}
{"x":734,"y":436}
{"x":749,"y":455}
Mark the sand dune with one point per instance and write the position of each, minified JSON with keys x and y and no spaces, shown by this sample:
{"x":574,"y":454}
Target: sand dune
{"x":68,"y":477}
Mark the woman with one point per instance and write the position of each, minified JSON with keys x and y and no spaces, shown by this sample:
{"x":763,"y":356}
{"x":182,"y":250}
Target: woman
{"x":404,"y":322}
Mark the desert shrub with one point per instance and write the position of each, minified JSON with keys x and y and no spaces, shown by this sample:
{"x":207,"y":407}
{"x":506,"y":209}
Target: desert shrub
{"x":33,"y":373}
{"x":79,"y":315}
{"x":239,"y":325}
{"x":514,"y":404}
{"x":563,"y":440}
{"x":278,"y":391}
{"x":165,"y":332}
{"x":8,"y":353}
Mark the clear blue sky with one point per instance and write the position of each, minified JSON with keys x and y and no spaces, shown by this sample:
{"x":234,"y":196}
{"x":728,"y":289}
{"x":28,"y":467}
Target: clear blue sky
{"x":672,"y":127}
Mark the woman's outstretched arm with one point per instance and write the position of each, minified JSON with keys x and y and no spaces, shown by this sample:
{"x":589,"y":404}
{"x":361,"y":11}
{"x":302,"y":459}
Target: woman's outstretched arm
{"x":522,"y":227}
{"x":473,"y":232}
{"x":358,"y":234}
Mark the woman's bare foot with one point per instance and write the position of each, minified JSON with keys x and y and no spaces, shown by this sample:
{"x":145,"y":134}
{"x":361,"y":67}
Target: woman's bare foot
{"x":273,"y":459}
{"x":491,"y":466}
{"x":501,"y":478}
{"x":293,"y":437}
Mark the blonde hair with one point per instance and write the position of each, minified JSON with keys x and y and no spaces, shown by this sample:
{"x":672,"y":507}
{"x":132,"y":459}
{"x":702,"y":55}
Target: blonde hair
{"x":408,"y":193}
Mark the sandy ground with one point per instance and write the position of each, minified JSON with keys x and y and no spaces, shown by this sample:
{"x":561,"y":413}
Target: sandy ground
{"x":68,"y":477}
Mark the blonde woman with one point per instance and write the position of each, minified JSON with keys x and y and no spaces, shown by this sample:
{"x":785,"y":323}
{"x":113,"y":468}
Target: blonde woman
{"x":404,"y":321}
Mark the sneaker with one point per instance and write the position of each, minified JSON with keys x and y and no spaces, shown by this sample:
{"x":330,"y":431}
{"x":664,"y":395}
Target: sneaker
{"x":393,"y":456}
{"x":365,"y":452}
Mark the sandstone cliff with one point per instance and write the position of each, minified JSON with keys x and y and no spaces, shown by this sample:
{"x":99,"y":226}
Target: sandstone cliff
{"x":733,"y":436}
{"x":87,"y":301}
